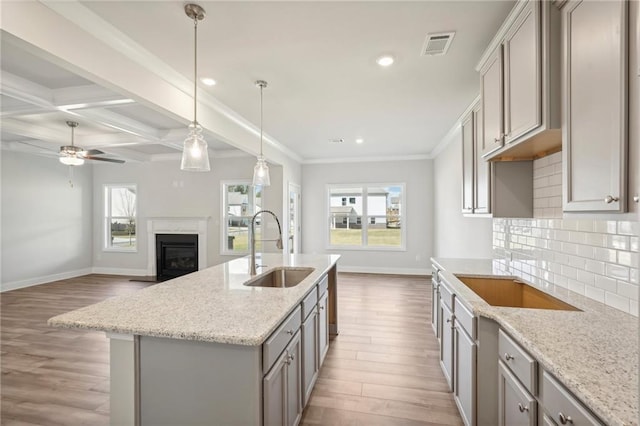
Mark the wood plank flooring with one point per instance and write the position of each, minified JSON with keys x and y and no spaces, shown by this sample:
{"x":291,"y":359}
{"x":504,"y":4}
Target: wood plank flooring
{"x":381,"y":370}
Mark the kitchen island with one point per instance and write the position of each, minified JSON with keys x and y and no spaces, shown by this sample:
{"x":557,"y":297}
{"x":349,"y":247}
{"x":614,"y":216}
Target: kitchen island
{"x":205,"y":348}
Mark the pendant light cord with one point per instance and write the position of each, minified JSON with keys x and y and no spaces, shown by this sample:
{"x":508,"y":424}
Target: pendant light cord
{"x":195,"y":71}
{"x":261,"y":109}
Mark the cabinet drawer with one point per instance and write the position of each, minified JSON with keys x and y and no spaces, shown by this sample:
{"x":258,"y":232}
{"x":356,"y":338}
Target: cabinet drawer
{"x":275,"y":344}
{"x":515,"y":405}
{"x":446,"y":294}
{"x":309,"y":303}
{"x":323,"y":285}
{"x":518,"y":361}
{"x":562,"y":406}
{"x":465,"y":318}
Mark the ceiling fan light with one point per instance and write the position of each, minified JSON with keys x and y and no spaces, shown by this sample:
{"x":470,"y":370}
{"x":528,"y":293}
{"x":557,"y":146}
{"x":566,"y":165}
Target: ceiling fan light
{"x":195,"y":153}
{"x":72,"y":161}
{"x":261,"y":172}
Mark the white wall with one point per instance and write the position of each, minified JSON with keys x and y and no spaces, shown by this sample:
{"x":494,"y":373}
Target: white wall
{"x":456,"y":235}
{"x":166,"y":191}
{"x":418,"y":177}
{"x":46,"y":223}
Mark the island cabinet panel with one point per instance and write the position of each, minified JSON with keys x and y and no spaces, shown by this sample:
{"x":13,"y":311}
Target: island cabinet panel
{"x":282,"y":388}
{"x":311,"y":352}
{"x":323,"y":327}
{"x":180,"y":383}
{"x":595,"y":106}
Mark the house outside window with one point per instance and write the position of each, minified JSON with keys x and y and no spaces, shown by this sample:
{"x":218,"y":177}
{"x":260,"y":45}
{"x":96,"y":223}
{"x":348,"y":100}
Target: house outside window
{"x":120,"y":218}
{"x":240,"y":201}
{"x":372,"y":220}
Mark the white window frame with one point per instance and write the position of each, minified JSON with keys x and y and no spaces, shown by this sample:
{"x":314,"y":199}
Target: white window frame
{"x":365,"y":223}
{"x":224,"y":230}
{"x":107,"y":217}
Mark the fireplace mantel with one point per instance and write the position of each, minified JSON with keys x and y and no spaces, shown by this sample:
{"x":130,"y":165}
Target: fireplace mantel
{"x":176,"y":225}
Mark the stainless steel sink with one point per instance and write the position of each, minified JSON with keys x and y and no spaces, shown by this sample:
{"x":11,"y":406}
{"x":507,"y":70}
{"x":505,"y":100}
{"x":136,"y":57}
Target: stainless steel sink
{"x":281,"y":277}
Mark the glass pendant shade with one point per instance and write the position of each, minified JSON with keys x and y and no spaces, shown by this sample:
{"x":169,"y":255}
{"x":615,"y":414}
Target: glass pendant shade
{"x":261,"y":172}
{"x":72,"y":161}
{"x":195,"y":153}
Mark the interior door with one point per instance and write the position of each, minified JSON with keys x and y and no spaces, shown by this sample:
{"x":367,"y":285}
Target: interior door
{"x":294,"y":218}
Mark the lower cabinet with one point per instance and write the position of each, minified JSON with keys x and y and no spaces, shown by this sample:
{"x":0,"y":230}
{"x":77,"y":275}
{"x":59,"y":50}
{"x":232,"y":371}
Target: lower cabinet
{"x":516,"y":407}
{"x":446,"y":344}
{"x":311,"y":353}
{"x":281,"y":386}
{"x":323,"y":327}
{"x":464,"y":374}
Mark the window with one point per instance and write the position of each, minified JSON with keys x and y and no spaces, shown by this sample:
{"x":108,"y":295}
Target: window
{"x":241,"y":201}
{"x":120,"y":210}
{"x":372,"y":218}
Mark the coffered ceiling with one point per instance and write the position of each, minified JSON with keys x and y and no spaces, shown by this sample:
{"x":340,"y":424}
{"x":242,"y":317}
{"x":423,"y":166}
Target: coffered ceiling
{"x":318,"y":58}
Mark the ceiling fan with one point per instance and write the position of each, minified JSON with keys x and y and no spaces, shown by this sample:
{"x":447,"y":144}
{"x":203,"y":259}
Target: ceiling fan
{"x":72,"y":155}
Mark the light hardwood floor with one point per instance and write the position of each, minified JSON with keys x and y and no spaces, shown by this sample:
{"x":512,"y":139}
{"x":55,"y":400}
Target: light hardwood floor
{"x":381,"y":370}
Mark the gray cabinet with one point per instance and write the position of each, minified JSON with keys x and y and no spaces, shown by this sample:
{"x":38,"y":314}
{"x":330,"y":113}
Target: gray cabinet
{"x":323,"y":327}
{"x":476,"y":171}
{"x":446,"y":344}
{"x":519,"y":85}
{"x":282,"y":395}
{"x":595,"y":105}
{"x":516,"y":407}
{"x":561,"y":406}
{"x":464,"y":383}
{"x":311,"y":353}
{"x":436,"y":322}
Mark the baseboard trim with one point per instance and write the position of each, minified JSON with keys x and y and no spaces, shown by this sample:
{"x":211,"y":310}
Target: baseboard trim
{"x":387,"y":271}
{"x":15,"y":285}
{"x":119,"y":271}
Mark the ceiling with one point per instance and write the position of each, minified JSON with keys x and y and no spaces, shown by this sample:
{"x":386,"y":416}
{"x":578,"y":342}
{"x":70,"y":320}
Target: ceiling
{"x":318,"y":58}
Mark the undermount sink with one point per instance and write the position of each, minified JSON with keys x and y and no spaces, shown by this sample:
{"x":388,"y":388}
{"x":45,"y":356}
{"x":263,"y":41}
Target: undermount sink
{"x":281,"y":277}
{"x":508,"y":292}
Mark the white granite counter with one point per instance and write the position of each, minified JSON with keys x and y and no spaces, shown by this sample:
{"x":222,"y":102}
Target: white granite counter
{"x":211,"y":305}
{"x":593,"y":352}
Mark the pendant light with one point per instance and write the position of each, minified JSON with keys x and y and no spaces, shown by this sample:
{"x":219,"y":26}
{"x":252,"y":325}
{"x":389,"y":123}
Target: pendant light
{"x":261,"y":170}
{"x":195,"y":153}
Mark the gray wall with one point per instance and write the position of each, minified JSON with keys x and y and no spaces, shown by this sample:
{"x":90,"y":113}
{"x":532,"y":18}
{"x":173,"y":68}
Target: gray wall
{"x":166,"y":191}
{"x":418,"y":177}
{"x":456,"y":235}
{"x":46,"y":223}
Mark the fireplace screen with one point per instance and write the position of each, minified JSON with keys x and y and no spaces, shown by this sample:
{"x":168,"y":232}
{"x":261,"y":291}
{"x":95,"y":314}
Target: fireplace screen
{"x":176,"y":255}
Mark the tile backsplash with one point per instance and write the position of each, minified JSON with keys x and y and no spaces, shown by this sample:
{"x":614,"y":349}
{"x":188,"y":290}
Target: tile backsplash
{"x":595,"y":258}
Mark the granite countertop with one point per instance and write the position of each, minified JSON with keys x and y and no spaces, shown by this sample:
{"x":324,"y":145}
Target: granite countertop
{"x":593,"y":352}
{"x":211,"y":305}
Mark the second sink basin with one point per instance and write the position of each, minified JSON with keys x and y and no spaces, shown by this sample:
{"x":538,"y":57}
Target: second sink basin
{"x":510,"y":293}
{"x":281,"y":277}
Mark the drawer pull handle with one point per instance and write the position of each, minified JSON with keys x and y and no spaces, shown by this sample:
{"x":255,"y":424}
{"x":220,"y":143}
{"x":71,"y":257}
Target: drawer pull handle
{"x":564,"y":419}
{"x":610,"y":199}
{"x":322,"y":308}
{"x":290,"y":332}
{"x":522,"y":408}
{"x":507,"y":356}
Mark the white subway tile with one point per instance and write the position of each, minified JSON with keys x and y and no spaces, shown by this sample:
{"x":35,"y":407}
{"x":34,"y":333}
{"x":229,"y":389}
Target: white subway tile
{"x":555,"y":200}
{"x":594,"y":293}
{"x":569,"y":272}
{"x":587,"y":278}
{"x":585,"y":225}
{"x":628,"y":258}
{"x":576,"y":286}
{"x":605,"y":255}
{"x":627,"y":290}
{"x":628,"y":228}
{"x":634,"y":308}
{"x":607,"y":284}
{"x":615,"y":301}
{"x":569,"y":248}
{"x":633,"y":244}
{"x":570,"y":224}
{"x":616,"y":271}
{"x":598,"y":240}
{"x":578,"y":237}
{"x":619,"y":242}
{"x":633,"y":275}
{"x":586,"y":251}
{"x":595,"y":266}
{"x":605,"y":226}
{"x":555,"y":180}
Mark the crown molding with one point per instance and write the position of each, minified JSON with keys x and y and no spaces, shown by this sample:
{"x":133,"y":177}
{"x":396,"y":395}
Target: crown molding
{"x":367,"y":159}
{"x":502,"y":32}
{"x":451,"y":134}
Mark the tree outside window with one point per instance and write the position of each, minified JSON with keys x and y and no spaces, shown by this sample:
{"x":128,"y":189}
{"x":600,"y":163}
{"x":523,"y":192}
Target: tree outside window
{"x":120,"y":217}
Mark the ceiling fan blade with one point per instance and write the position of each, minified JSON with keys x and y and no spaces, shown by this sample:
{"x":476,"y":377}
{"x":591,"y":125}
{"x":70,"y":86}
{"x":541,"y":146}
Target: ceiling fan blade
{"x":92,"y":152}
{"x":110,"y":160}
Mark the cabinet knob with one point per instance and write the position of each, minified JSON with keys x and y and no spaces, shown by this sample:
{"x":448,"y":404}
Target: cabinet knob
{"x":636,"y":198}
{"x":507,"y":356}
{"x":322,"y":308}
{"x":290,"y":332}
{"x":564,"y":419}
{"x":522,"y":408}
{"x":610,"y":199}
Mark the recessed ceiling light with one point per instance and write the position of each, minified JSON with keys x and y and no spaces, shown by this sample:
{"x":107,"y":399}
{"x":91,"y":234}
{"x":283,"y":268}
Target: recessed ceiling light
{"x":208,"y":81}
{"x":359,"y":140}
{"x":385,"y":60}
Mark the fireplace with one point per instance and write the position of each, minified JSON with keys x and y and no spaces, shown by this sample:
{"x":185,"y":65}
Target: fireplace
{"x":176,"y":255}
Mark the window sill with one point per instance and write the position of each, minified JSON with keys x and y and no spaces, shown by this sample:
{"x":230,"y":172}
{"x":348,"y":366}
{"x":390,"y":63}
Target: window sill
{"x":365,"y":248}
{"x":119,"y":250}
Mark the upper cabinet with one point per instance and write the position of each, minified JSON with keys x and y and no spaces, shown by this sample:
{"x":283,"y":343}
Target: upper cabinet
{"x":476,"y":172}
{"x":519,"y":85}
{"x":595,"y":90}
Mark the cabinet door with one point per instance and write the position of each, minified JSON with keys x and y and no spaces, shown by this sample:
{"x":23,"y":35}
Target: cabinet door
{"x":491,"y":94}
{"x":523,"y":74}
{"x":294,"y":381}
{"x":482,"y":168}
{"x":274,"y":387}
{"x":467,"y":164}
{"x":464,"y":373}
{"x":435,"y":307}
{"x":323,"y":327}
{"x":310,"y":353}
{"x":516,"y":407}
{"x":446,"y":344}
{"x":595,"y":105}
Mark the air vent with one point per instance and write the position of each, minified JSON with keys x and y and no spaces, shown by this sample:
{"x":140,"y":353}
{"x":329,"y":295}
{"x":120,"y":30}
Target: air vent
{"x":336,"y":140}
{"x":437,"y":44}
